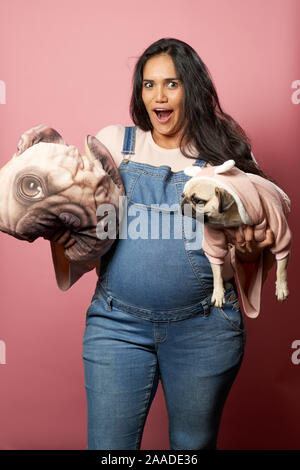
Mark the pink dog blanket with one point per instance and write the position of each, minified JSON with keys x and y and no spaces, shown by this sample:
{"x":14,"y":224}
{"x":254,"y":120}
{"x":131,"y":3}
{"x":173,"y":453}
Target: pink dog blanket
{"x":261,"y":204}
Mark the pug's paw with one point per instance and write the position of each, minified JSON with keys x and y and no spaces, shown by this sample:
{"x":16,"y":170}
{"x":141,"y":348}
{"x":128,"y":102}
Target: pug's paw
{"x":218,"y":297}
{"x":282,"y":291}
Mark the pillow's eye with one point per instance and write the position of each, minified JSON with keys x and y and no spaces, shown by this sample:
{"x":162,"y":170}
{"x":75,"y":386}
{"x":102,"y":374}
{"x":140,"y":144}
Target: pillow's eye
{"x":30,"y":187}
{"x":197,"y":200}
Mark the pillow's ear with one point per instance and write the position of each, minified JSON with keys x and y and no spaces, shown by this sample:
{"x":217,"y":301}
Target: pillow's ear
{"x":96,"y":150}
{"x":192,"y":170}
{"x":40,"y":133}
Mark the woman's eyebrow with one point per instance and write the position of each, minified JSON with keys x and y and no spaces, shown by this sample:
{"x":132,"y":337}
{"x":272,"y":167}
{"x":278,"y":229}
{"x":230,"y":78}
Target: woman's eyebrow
{"x":165,"y":79}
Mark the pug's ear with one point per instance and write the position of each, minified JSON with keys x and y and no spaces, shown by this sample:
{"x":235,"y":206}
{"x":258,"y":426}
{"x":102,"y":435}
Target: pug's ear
{"x":225,"y":199}
{"x":192,"y":170}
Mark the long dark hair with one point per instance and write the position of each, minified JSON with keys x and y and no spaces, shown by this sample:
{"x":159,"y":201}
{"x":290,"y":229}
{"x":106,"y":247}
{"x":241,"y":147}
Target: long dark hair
{"x":216,"y":135}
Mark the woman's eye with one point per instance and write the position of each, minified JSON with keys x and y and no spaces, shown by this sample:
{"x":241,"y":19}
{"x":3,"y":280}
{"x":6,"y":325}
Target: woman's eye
{"x":170,"y":83}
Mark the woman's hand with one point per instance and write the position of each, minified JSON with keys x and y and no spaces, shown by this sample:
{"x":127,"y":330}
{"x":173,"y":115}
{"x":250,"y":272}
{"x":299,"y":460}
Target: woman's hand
{"x":247,"y":249}
{"x":63,"y":237}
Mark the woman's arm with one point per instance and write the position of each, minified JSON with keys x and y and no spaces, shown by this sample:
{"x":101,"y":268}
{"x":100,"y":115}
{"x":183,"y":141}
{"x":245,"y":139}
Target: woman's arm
{"x":247,"y":249}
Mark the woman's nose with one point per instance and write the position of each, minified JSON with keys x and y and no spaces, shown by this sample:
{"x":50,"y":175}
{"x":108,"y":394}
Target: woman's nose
{"x":160,"y":94}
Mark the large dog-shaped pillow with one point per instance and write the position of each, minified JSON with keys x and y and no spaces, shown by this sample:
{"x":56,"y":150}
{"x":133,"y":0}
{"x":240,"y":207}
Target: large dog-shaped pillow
{"x":48,"y":185}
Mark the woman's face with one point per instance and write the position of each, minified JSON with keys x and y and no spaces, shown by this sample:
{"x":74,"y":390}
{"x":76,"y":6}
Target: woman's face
{"x":162,"y":89}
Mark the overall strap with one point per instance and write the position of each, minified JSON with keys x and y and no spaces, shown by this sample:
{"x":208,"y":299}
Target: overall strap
{"x":199,"y":162}
{"x":128,"y":142}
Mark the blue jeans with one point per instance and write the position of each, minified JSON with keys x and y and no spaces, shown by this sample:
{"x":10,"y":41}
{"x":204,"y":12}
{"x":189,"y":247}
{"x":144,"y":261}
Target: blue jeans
{"x":125,"y":355}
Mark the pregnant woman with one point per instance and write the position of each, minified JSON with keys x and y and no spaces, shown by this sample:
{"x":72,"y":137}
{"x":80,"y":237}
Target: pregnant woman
{"x":150,"y":318}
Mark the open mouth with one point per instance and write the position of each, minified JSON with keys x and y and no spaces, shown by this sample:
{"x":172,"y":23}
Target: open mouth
{"x":163,"y":115}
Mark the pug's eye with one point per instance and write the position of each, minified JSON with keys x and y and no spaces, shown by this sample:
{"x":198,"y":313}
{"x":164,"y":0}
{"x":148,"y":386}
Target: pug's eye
{"x":196,"y":200}
{"x":30,"y":187}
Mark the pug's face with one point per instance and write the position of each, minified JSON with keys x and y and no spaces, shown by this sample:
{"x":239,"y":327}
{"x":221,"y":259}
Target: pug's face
{"x":214,"y":203}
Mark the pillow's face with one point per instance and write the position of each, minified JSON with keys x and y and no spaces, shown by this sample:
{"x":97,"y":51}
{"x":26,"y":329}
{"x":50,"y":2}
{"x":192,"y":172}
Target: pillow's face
{"x":50,"y":186}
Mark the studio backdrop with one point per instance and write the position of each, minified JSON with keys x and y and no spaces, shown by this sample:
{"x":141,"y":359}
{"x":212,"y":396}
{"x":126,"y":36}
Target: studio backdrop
{"x":69,"y":65}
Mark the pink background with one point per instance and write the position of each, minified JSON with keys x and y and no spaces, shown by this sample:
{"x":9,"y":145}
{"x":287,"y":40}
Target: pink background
{"x":69,"y":64}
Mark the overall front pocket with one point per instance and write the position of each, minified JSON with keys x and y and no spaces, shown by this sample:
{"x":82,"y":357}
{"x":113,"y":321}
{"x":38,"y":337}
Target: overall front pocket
{"x":231,"y":311}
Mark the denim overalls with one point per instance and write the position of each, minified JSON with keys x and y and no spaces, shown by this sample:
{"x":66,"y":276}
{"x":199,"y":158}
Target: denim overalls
{"x":155,"y":276}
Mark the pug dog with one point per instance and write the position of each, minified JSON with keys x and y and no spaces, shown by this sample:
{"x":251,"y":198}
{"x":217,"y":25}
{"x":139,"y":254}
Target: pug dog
{"x":226,"y":198}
